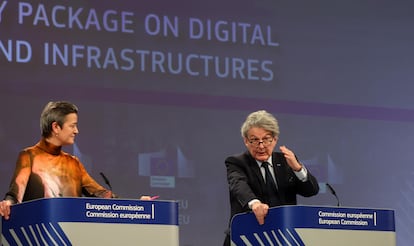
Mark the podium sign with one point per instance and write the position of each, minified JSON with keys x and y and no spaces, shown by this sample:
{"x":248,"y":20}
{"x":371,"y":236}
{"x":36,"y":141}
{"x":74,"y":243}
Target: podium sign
{"x":92,"y":221}
{"x":319,"y":226}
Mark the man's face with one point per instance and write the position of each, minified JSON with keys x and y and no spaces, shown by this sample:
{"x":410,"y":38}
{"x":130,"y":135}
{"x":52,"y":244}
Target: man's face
{"x":260,"y":143}
{"x":69,"y":129}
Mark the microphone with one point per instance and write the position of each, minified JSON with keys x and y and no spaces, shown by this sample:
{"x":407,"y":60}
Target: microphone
{"x":106,"y":180}
{"x":331,"y":189}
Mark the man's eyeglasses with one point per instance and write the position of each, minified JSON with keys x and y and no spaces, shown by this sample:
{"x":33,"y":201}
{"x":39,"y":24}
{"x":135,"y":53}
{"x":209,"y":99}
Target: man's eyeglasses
{"x":265,"y":141}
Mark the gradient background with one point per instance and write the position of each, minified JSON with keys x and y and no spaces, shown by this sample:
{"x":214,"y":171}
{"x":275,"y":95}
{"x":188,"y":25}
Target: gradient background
{"x":342,"y":92}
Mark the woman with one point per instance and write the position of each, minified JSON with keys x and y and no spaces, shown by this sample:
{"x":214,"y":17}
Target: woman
{"x":44,"y":170}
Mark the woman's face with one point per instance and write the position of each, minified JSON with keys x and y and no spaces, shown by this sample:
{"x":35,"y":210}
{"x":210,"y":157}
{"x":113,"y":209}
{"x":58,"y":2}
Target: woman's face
{"x":66,"y":134}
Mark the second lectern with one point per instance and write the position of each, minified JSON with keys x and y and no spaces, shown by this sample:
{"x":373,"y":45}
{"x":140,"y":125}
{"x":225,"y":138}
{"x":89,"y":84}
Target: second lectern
{"x":316,"y":226}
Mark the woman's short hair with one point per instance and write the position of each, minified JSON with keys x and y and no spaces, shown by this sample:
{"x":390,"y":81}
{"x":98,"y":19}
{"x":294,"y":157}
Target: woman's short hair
{"x":55,"y":112}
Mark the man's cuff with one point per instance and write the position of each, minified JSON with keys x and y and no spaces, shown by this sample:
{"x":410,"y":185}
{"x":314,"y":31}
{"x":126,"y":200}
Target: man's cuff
{"x":302,"y":174}
{"x":252,"y":202}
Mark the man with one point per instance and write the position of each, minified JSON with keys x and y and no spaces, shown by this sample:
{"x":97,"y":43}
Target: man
{"x":251,"y":186}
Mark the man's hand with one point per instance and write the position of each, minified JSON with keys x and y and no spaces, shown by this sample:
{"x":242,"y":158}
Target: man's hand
{"x":260,"y":211}
{"x":291,"y":159}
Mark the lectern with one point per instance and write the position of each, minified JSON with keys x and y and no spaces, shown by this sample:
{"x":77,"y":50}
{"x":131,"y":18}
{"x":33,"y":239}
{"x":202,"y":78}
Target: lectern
{"x":92,"y":221}
{"x":316,"y":226}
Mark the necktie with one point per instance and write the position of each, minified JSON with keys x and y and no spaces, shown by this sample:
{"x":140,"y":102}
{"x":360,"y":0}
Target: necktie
{"x":270,"y":185}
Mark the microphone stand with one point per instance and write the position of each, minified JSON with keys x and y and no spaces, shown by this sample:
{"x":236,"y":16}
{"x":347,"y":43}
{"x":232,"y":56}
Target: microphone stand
{"x":331,"y":189}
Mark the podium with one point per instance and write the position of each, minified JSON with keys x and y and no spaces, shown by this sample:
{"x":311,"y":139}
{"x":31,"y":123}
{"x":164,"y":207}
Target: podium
{"x":319,"y":226}
{"x":91,"y":221}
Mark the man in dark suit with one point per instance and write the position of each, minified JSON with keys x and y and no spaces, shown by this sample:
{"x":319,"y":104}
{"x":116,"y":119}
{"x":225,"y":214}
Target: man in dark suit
{"x":251,"y":186}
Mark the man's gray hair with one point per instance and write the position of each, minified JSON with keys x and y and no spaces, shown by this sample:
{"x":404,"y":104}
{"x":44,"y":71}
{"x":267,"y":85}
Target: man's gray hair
{"x":260,"y":119}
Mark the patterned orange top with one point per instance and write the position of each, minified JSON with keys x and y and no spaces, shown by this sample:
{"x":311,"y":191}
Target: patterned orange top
{"x":44,"y":171}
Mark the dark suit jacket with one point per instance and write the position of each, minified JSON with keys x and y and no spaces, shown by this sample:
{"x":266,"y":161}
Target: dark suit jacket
{"x":246,"y":182}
